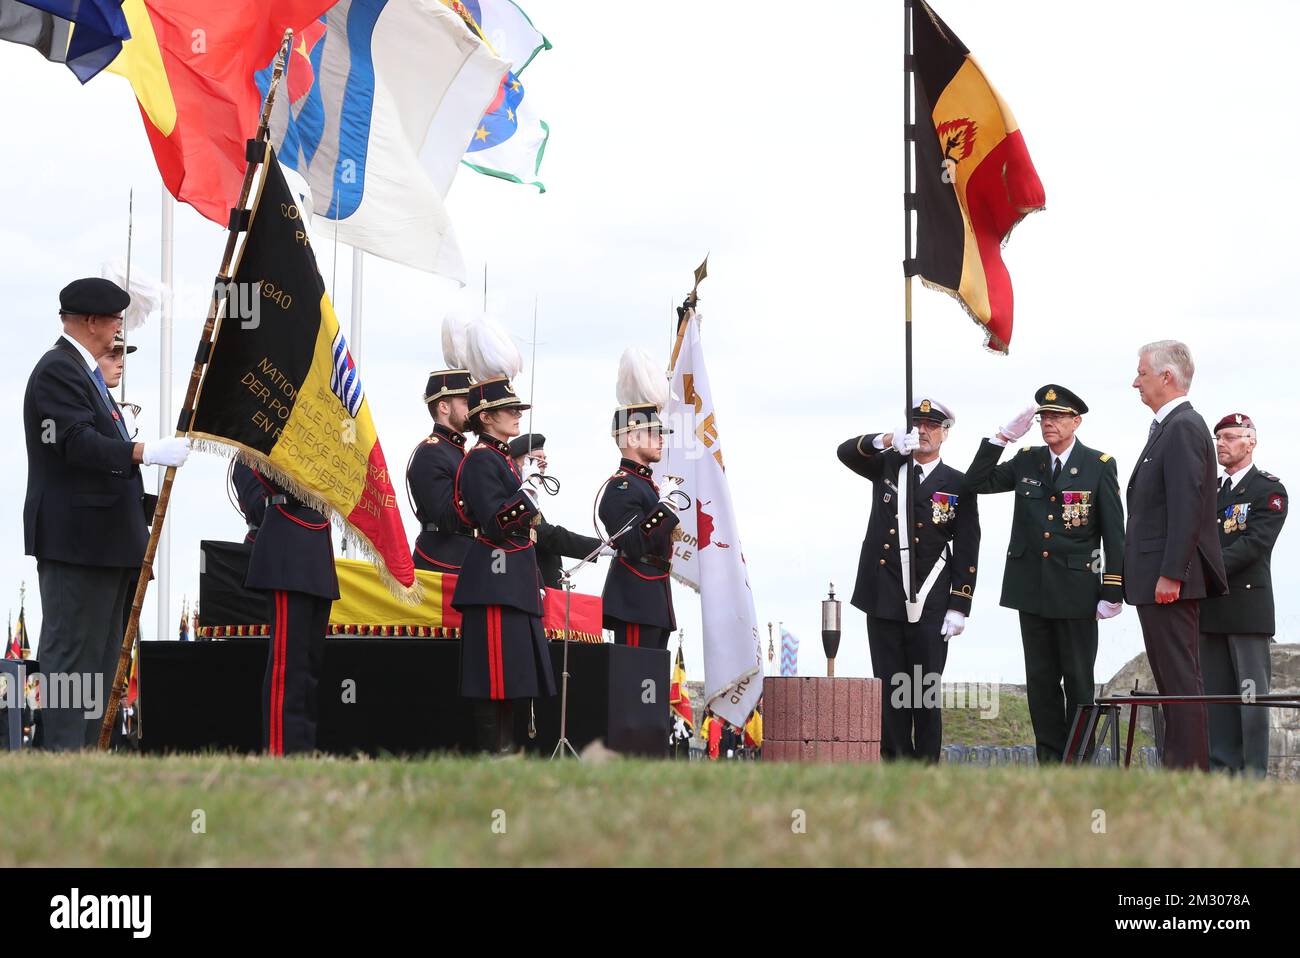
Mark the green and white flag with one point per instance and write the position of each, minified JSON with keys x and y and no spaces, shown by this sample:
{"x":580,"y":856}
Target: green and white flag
{"x":510,"y":139}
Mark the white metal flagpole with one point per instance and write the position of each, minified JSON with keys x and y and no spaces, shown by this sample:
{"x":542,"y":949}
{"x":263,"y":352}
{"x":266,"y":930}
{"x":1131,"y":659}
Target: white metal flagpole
{"x":164,"y":558}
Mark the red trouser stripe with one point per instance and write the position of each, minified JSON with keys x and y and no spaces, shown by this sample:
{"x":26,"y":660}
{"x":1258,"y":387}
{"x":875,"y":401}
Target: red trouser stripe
{"x":496,"y":681}
{"x":277,"y":673}
{"x":634,"y":635}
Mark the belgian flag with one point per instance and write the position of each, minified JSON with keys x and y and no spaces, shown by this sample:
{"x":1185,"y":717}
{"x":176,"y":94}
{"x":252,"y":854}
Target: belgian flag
{"x":282,"y":389}
{"x":975,"y":180}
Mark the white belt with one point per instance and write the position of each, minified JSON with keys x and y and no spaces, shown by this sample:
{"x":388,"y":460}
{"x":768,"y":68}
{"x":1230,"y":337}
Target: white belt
{"x":904,"y":517}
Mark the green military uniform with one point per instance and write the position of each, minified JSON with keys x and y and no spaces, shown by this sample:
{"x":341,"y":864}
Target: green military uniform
{"x":1236,"y":628}
{"x":1063,"y":528}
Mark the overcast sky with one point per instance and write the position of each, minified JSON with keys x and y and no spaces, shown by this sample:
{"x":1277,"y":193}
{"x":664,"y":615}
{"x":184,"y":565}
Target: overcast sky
{"x":768,"y":136}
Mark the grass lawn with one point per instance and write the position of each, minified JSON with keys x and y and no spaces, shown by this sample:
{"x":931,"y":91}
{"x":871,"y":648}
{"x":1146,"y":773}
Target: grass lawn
{"x":128,"y":810}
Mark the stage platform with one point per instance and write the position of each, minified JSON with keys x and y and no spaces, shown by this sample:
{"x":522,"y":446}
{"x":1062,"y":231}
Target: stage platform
{"x":196,"y":696}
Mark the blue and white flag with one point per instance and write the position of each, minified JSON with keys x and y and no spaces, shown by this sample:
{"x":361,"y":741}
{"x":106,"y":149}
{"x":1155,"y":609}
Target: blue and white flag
{"x":789,"y":653}
{"x":509,"y":31}
{"x":374,"y":83}
{"x":510,"y":139}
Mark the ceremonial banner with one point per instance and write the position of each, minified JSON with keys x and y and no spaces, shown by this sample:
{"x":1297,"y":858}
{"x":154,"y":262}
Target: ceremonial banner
{"x":191,"y":64}
{"x":789,"y":653}
{"x":391,"y":91}
{"x":281,"y":386}
{"x":707,"y":555}
{"x":974,"y":180}
{"x":679,"y":700}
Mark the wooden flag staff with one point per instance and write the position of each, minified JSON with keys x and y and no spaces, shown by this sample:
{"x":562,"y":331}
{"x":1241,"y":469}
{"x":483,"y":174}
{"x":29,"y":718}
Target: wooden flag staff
{"x":256,"y":150}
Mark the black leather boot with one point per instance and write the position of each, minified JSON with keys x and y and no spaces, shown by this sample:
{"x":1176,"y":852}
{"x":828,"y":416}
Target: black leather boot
{"x":486,"y":725}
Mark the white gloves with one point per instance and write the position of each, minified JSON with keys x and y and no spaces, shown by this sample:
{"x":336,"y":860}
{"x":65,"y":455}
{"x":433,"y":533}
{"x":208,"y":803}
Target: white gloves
{"x":906,"y":443}
{"x":954,"y":623}
{"x":1106,"y":610}
{"x":167,"y":451}
{"x":1018,"y":426}
{"x":667,"y":486}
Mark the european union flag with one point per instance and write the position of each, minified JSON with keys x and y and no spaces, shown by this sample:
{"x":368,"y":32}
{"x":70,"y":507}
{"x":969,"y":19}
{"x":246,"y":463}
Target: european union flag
{"x":97,"y":37}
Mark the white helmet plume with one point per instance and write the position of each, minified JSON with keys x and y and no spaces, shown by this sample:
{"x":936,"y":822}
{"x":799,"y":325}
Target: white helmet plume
{"x":640,"y":380}
{"x":455,"y":326}
{"x":489,"y":350}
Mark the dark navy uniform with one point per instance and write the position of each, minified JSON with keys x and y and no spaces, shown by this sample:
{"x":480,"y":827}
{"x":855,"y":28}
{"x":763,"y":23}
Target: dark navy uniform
{"x":293,"y":563}
{"x":1237,"y":628}
{"x":638,"y":600}
{"x":1065,"y":522}
{"x":907,"y":656}
{"x":430,"y":479}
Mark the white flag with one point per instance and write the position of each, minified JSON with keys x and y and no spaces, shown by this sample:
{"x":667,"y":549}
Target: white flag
{"x":381,"y":74}
{"x":707,"y":555}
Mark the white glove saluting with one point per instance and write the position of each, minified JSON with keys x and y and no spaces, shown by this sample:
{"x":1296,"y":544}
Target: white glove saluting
{"x":167,"y":451}
{"x":1018,"y":426}
{"x":529,"y":472}
{"x":667,"y":486}
{"x":1107,"y":610}
{"x":905,"y":443}
{"x":954,"y":623}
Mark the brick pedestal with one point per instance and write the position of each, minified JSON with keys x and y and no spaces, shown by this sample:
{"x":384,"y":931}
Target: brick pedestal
{"x":821,"y":719}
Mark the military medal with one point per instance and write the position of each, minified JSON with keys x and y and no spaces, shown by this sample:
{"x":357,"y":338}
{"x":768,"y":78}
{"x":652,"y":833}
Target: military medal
{"x":1075,"y":511}
{"x":1234,"y":517}
{"x":943,"y":507}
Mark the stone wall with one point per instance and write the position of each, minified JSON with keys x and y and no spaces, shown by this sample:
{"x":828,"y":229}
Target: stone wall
{"x":1284,"y":735}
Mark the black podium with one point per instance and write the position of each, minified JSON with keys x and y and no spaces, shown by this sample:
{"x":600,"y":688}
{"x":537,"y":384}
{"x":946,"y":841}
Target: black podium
{"x":394,"y":696}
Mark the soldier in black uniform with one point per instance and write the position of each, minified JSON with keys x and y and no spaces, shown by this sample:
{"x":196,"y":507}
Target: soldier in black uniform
{"x":293,"y":563}
{"x":639,"y":517}
{"x":1067,"y":516}
{"x":504,"y":655}
{"x":1236,"y":628}
{"x":431,"y":473}
{"x":553,"y":542}
{"x":908,"y":652}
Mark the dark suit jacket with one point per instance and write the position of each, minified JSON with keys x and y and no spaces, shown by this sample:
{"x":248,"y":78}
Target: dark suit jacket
{"x":84,"y":494}
{"x":954,"y":531}
{"x":555,"y":542}
{"x":1250,"y":517}
{"x":1171,"y":509}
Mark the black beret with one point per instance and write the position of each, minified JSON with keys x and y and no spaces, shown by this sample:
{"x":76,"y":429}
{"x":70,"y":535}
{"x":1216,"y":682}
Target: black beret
{"x":519,"y":445}
{"x":93,"y":297}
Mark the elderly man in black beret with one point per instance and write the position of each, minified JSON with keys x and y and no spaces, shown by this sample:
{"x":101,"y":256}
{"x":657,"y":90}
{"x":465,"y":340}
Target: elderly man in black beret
{"x":83,"y":518}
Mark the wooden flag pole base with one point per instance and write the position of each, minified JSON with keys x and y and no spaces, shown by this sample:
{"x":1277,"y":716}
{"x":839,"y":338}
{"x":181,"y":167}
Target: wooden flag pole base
{"x":219,"y":291}
{"x":830,"y":668}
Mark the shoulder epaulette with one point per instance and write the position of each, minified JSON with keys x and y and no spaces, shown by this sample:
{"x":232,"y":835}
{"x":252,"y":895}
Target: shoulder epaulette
{"x":1026,"y":448}
{"x":1269,"y":476}
{"x":1105,"y":457}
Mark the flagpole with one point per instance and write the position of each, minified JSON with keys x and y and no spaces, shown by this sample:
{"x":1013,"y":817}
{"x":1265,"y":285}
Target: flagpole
{"x":130,"y":230}
{"x":239,"y":222}
{"x":907,"y":537}
{"x":354,"y":340}
{"x":165,"y":395}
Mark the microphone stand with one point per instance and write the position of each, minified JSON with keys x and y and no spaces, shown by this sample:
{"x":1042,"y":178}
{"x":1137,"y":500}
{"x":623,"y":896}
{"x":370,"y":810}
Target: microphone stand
{"x":567,"y":582}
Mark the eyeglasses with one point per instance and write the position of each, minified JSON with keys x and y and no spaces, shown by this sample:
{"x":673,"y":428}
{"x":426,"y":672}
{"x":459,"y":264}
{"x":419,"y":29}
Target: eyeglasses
{"x":1053,"y":417}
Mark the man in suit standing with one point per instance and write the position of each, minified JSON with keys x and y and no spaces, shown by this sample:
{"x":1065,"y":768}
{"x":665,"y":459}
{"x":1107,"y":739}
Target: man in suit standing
{"x":909,"y":646}
{"x":1237,"y":628}
{"x":83,"y":518}
{"x":1171,"y":545}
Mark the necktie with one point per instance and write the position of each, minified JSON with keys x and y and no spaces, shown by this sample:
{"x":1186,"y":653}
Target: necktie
{"x":919,"y":473}
{"x":1227,"y":485}
{"x":1155,"y":424}
{"x":1056,"y":471}
{"x":99,"y":381}
{"x":108,"y":402}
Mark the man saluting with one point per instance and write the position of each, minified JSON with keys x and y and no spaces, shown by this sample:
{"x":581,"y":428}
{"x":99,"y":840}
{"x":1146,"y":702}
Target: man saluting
{"x":1067,"y":510}
{"x":909,"y":643}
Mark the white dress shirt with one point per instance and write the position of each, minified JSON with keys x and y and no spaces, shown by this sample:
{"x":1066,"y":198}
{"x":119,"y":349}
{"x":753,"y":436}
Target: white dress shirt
{"x":1169,"y":407}
{"x":88,"y":359}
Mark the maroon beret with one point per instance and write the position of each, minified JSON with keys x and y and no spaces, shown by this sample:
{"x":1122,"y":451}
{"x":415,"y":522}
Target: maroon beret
{"x":1238,"y":420}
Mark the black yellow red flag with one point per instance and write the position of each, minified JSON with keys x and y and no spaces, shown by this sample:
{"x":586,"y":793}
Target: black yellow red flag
{"x":975,"y":180}
{"x":282,"y":389}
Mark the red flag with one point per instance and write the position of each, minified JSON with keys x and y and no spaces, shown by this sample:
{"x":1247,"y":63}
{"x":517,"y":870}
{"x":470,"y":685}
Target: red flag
{"x":191,"y":64}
